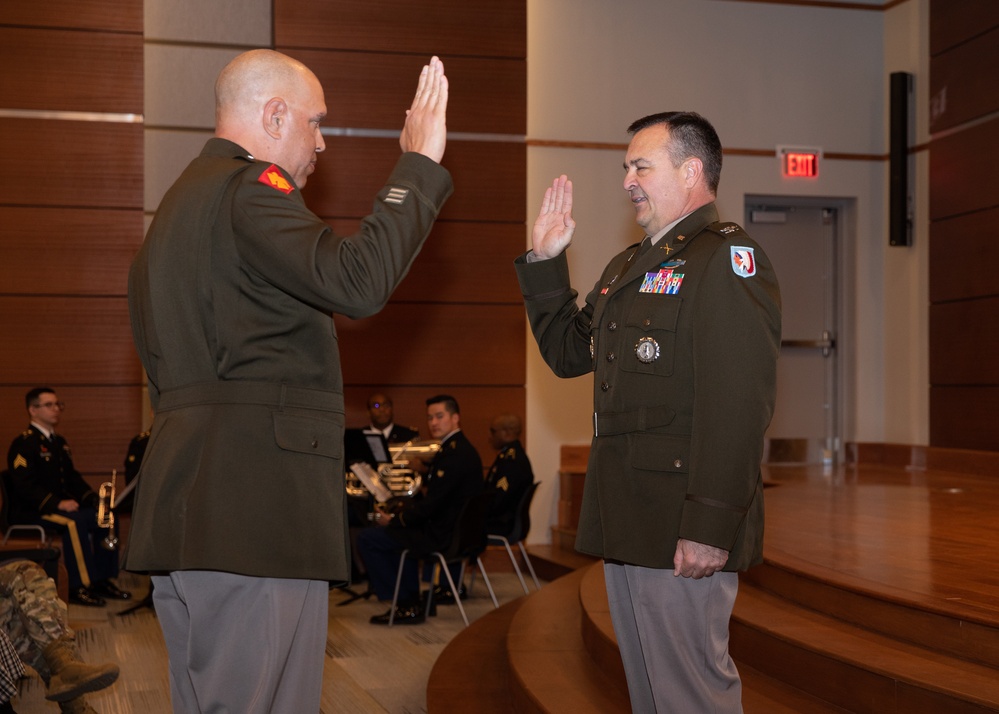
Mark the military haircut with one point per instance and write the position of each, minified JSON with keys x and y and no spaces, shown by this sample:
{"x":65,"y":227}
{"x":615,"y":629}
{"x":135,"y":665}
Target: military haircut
{"x":31,"y":398}
{"x":690,"y":135}
{"x":449,"y":402}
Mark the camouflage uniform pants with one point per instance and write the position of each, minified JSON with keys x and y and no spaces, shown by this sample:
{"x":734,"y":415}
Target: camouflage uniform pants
{"x":31,"y":612}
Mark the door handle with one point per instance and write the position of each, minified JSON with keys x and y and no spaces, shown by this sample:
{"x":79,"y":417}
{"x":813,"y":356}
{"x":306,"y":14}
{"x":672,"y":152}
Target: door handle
{"x":827,"y":343}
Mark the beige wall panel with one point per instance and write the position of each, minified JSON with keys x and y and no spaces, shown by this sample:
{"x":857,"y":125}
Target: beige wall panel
{"x":971,"y":244}
{"x":374,"y":90}
{"x":964,"y":81}
{"x":434,"y":343}
{"x":964,"y":342}
{"x":167,"y":154}
{"x":482,"y":28}
{"x":67,"y":340}
{"x":67,"y":251}
{"x":962,"y":171}
{"x":461,"y":262}
{"x":955,"y":21}
{"x":98,"y":422}
{"x":81,"y":71}
{"x":478,"y":404}
{"x":489,"y":178}
{"x":180,"y":85}
{"x":118,"y":15}
{"x":69,"y":163}
{"x":218,"y":22}
{"x":964,"y":417}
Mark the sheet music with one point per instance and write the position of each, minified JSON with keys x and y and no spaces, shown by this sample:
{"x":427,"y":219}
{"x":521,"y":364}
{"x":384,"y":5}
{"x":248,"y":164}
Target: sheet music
{"x":372,"y":481}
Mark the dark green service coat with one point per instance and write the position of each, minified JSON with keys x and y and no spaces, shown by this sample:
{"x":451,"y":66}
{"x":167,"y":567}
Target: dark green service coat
{"x":684,"y":387}
{"x":231,"y":299}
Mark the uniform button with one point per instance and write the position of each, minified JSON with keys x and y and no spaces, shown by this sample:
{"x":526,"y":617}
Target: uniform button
{"x":612,"y":326}
{"x":610,"y":356}
{"x":604,"y":386}
{"x":678,"y":463}
{"x":315,"y":444}
{"x":646,"y":322}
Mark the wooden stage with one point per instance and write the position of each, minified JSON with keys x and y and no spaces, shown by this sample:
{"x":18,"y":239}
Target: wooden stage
{"x":879,"y":594}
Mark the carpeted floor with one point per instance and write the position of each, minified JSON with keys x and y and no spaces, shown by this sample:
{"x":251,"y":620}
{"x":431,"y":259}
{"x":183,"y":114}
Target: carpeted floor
{"x":369,"y":669}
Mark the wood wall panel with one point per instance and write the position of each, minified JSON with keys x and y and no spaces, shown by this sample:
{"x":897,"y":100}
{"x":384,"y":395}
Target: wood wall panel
{"x":69,"y":340}
{"x":964,"y":342}
{"x":955,"y":21}
{"x":476,"y":28}
{"x":119,"y":15}
{"x":971,"y":246}
{"x":962,"y":171}
{"x":373,"y":91}
{"x":478,"y":407}
{"x":98,"y":423}
{"x":82,"y":71}
{"x":70,"y":163}
{"x":965,"y":417}
{"x":436,"y":343}
{"x":73,"y":251}
{"x":461,"y":262}
{"x":489,"y":178}
{"x":962,"y":95}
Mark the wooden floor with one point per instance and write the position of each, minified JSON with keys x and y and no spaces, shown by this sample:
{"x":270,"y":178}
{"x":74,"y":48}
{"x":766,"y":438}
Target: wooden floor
{"x":879,"y":594}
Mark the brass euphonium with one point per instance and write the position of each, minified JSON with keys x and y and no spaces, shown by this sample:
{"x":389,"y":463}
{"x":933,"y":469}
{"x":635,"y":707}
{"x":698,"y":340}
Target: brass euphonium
{"x":105,"y":514}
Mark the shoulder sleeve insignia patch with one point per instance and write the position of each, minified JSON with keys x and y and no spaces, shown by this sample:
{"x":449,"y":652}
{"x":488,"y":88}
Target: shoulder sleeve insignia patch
{"x":273,"y":177}
{"x":743,"y":261}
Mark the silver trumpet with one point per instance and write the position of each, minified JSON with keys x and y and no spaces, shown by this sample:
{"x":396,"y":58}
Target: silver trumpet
{"x":105,"y":514}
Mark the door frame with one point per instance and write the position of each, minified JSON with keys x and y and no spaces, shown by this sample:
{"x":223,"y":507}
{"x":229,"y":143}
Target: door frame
{"x":845,"y":240}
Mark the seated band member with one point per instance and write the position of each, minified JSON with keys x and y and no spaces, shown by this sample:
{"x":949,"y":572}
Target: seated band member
{"x":510,"y":475}
{"x":383,"y":419}
{"x":425,"y":524}
{"x":45,"y":488}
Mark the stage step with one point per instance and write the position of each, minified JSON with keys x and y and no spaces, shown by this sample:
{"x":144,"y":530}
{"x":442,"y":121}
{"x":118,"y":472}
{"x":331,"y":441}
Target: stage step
{"x":853,"y":668}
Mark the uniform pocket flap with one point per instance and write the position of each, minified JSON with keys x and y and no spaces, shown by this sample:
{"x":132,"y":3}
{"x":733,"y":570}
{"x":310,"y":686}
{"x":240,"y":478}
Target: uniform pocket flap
{"x":308,"y":436}
{"x":659,"y":452}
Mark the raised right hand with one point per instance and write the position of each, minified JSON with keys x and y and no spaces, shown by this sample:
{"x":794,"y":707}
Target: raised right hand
{"x":425,"y":130}
{"x":554,"y":227}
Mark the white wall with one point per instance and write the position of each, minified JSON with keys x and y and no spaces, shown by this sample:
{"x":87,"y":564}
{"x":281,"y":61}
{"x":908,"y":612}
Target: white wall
{"x":764,"y":75}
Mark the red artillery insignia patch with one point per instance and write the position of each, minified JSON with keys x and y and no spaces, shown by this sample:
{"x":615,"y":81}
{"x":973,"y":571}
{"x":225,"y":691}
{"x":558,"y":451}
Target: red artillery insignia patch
{"x":273,"y":177}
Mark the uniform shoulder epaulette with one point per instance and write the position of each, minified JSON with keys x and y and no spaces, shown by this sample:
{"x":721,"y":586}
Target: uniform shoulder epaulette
{"x":145,"y":435}
{"x":727,"y":229}
{"x":26,"y":433}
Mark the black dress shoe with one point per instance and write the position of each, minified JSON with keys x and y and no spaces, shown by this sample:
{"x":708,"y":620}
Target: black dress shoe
{"x":444,"y":596}
{"x":409,"y":615}
{"x":83,"y":596}
{"x":110,"y":590}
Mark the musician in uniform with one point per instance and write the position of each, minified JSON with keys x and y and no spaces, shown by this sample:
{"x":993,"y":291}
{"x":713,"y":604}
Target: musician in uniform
{"x":682,"y":333}
{"x":425,"y":524}
{"x":46,"y":489}
{"x":383,"y":420}
{"x":510,"y":475}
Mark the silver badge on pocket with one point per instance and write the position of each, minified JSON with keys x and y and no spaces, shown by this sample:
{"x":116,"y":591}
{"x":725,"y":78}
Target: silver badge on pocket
{"x":647,"y":350}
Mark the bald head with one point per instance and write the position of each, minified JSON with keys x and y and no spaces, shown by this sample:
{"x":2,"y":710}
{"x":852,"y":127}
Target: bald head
{"x":271,"y":105}
{"x":504,"y":430}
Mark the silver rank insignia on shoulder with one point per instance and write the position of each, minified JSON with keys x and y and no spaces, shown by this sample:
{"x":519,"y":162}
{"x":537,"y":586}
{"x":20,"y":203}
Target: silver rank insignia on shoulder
{"x":593,"y":349}
{"x":396,"y":195}
{"x":728,"y":229}
{"x":647,"y":350}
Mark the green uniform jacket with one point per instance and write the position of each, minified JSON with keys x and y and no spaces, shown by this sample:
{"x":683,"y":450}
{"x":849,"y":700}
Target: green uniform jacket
{"x":684,"y":386}
{"x":231,"y":300}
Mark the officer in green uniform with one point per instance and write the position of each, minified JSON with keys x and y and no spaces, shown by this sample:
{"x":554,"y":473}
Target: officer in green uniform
{"x":682,"y":333}
{"x":239,"y":508}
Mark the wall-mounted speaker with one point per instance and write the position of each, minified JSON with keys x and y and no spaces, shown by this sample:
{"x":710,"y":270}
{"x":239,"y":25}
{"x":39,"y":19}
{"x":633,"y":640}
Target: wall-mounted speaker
{"x":899,"y":214}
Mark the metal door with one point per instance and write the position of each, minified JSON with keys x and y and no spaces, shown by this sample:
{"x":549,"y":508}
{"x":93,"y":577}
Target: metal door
{"x":801,"y":237}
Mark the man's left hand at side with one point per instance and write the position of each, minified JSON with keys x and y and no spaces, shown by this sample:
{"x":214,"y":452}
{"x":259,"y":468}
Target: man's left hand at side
{"x":697,"y":560}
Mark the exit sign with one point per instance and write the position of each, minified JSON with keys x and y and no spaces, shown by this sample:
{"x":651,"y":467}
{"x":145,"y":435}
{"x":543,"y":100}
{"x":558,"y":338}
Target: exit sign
{"x":798,"y":162}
